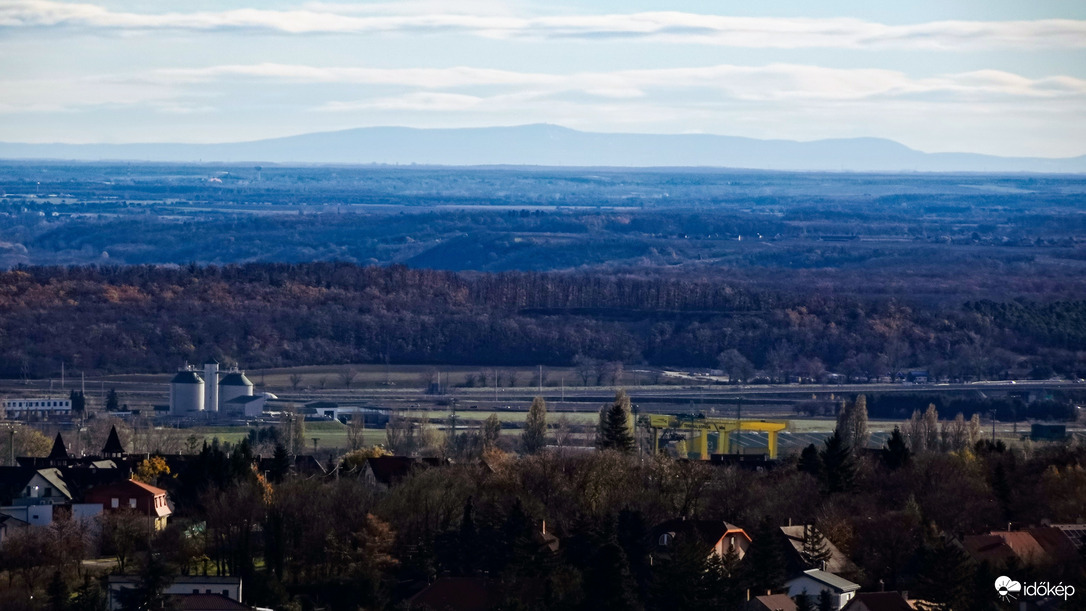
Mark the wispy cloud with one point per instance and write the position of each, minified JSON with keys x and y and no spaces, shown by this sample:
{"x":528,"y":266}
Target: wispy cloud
{"x":483,"y":21}
{"x":753,"y":83}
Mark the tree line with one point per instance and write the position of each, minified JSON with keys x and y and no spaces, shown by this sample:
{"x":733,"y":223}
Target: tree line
{"x":144,"y":318}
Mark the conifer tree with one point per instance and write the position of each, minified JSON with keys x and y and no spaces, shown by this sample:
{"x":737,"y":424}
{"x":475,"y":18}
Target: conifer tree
{"x":614,"y":432}
{"x":815,"y":551}
{"x":809,"y":461}
{"x":896,"y":453}
{"x":839,"y":467}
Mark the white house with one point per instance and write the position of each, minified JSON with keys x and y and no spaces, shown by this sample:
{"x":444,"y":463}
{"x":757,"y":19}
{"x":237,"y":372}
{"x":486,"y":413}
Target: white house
{"x":814,"y":581}
{"x":230,"y":587}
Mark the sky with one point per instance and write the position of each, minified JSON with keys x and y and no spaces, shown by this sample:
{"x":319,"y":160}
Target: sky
{"x":1001,"y":77}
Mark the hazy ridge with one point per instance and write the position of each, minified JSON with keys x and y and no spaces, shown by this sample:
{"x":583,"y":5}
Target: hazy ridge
{"x":549,"y":145}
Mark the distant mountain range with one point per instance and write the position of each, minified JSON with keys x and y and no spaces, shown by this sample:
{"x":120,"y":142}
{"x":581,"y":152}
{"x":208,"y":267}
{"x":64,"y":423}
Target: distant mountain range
{"x":550,"y":145}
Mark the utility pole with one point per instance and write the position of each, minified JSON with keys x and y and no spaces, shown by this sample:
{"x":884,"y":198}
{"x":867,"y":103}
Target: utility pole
{"x":540,"y":380}
{"x":738,"y":425}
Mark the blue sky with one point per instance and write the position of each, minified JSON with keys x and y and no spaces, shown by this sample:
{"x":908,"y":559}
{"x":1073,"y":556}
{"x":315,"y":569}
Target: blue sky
{"x":987,"y":76}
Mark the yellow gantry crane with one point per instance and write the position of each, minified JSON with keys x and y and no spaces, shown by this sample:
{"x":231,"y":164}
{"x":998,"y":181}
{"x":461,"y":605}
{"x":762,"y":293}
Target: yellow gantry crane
{"x":701,"y":427}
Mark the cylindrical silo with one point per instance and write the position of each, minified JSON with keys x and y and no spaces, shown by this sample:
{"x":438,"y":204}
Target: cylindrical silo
{"x":186,"y":393}
{"x":234,"y":385}
{"x":211,"y":386}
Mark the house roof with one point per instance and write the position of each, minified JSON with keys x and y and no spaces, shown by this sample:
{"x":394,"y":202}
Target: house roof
{"x":1001,"y":546}
{"x":456,"y":594}
{"x":113,"y":443}
{"x":390,"y":469}
{"x":56,"y":480}
{"x":207,"y":602}
{"x":838,"y":583}
{"x":1056,"y":544}
{"x":236,"y":378}
{"x":59,"y":452}
{"x":878,"y":601}
{"x":771,"y":602}
{"x":708,"y":532}
{"x":838,"y":562}
{"x":187,"y":377}
{"x":242,"y":400}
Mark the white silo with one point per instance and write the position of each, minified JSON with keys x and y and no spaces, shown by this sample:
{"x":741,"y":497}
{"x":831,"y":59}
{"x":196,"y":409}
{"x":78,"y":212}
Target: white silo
{"x":211,"y":385}
{"x":186,"y":393}
{"x":233,"y":385}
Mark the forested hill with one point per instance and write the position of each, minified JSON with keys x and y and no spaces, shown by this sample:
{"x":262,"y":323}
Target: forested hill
{"x":144,"y":318}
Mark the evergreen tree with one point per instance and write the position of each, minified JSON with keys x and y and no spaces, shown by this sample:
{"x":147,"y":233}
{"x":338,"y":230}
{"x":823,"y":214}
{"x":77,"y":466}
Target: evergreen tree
{"x":58,"y":593}
{"x":839,"y":466}
{"x":534,"y":437}
{"x":89,"y":596}
{"x":280,"y":463}
{"x":947,"y":575}
{"x":764,"y":567}
{"x":113,"y":402}
{"x":79,"y":401}
{"x":608,"y":584}
{"x":896,"y":454}
{"x":825,"y":601}
{"x":809,"y":461}
{"x":614,"y":432}
{"x":815,"y":550}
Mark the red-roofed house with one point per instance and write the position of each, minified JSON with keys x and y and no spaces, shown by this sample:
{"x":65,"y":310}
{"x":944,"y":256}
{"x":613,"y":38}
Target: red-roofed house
{"x":998,"y":547}
{"x":132,"y":495}
{"x":716,"y":537}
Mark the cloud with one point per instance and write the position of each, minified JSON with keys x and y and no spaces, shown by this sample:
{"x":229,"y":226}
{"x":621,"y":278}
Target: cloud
{"x":483,"y":19}
{"x":772,"y":82}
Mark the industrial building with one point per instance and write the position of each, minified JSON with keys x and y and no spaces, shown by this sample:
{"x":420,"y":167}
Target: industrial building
{"x":191,"y":394}
{"x":37,"y":408}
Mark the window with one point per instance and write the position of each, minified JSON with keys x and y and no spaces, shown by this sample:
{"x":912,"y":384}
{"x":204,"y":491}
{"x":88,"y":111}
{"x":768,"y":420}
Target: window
{"x":196,"y":590}
{"x":665,"y":539}
{"x":226,"y":593}
{"x":48,"y":491}
{"x":115,"y":503}
{"x":132,"y":503}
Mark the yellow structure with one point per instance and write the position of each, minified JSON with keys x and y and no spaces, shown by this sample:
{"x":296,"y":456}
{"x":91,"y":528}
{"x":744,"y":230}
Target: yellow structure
{"x":701,"y":427}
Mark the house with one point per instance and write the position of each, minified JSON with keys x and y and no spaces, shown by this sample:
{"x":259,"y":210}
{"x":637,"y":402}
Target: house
{"x":46,"y":487}
{"x":1000,"y":547}
{"x":716,"y":537}
{"x":133,"y":495}
{"x":386,"y":471}
{"x":183,"y":586}
{"x":206,"y":602}
{"x":812,"y":582}
{"x":879,"y":601}
{"x":792,"y":546}
{"x":8,"y":525}
{"x":771,"y":602}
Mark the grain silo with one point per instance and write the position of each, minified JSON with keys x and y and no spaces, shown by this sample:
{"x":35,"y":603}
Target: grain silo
{"x":211,"y":385}
{"x":186,"y":393}
{"x":233,"y":385}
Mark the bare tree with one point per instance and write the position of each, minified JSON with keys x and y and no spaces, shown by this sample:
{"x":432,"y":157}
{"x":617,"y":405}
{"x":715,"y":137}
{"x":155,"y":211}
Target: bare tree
{"x":347,"y":376}
{"x":295,"y":380}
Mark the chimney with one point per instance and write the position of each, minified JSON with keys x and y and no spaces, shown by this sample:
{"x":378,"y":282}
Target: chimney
{"x":544,"y":527}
